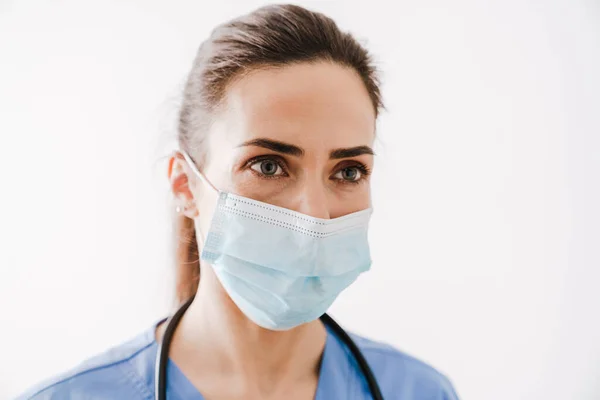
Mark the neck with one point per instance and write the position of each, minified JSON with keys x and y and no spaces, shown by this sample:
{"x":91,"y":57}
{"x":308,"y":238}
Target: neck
{"x":215,"y":340}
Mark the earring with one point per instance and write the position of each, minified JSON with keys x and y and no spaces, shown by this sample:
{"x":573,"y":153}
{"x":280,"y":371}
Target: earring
{"x":178,"y":210}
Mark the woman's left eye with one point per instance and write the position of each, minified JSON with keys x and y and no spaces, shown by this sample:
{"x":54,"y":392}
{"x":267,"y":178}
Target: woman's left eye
{"x":267,"y":168}
{"x":349,"y":174}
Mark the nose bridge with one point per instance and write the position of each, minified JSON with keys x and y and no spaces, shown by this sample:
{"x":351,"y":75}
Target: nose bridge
{"x":312,"y":198}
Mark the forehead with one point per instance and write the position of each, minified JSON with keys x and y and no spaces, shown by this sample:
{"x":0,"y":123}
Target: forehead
{"x":312,"y":105}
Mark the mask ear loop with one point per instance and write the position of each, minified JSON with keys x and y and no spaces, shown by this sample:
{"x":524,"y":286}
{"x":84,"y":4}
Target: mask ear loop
{"x":201,"y":176}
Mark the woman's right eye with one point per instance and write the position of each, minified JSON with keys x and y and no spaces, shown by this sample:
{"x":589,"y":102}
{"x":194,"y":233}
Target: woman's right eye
{"x":268,"y":168}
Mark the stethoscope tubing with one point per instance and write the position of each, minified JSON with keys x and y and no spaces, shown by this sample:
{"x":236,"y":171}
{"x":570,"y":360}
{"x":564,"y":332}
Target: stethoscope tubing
{"x":162,"y":356}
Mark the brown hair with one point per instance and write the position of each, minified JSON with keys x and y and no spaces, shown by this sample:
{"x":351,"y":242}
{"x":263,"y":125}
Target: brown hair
{"x":272,"y":36}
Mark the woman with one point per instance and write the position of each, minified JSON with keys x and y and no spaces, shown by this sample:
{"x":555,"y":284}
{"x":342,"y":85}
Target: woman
{"x":271,"y":185}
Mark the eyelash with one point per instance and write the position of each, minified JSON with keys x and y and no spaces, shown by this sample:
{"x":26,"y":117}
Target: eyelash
{"x":362,"y":168}
{"x":274,"y":159}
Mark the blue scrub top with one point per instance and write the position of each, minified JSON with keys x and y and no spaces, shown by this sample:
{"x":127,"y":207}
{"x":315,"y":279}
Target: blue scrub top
{"x":127,"y":372}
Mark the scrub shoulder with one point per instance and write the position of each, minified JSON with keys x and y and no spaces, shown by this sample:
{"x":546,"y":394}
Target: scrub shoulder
{"x":122,"y":372}
{"x":402,"y":376}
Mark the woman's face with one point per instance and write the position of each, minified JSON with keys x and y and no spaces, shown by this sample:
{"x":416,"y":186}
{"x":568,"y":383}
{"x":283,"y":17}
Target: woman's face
{"x":298,"y":137}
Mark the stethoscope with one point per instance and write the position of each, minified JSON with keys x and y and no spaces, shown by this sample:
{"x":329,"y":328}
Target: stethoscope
{"x":162,"y":356}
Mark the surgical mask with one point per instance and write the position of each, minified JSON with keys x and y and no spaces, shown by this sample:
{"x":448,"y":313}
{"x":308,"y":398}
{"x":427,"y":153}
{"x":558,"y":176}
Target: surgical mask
{"x":280,"y":267}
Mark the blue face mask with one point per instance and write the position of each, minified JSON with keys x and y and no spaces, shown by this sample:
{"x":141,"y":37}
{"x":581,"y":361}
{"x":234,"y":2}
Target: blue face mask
{"x":283,"y":268}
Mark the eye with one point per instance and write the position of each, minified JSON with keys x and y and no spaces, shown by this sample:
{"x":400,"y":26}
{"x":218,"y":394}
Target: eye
{"x":267,"y":167}
{"x":350,"y":174}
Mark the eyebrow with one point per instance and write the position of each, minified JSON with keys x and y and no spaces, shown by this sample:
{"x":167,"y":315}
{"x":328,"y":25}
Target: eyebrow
{"x":350,"y":152}
{"x":293,"y":150}
{"x":274,"y":145}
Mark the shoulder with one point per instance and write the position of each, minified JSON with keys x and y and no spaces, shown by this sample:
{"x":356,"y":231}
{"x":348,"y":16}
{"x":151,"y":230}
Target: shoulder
{"x":402,"y":376}
{"x":121,"y":372}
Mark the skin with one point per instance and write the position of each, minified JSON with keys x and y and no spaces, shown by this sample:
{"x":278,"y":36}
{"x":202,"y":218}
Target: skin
{"x":323,"y":116}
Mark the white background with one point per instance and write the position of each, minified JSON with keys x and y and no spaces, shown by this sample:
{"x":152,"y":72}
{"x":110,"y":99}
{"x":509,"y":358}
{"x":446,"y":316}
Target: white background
{"x":486,"y":232}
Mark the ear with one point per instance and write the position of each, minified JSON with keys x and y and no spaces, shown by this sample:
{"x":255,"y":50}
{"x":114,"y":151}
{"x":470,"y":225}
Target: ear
{"x":179,"y":178}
